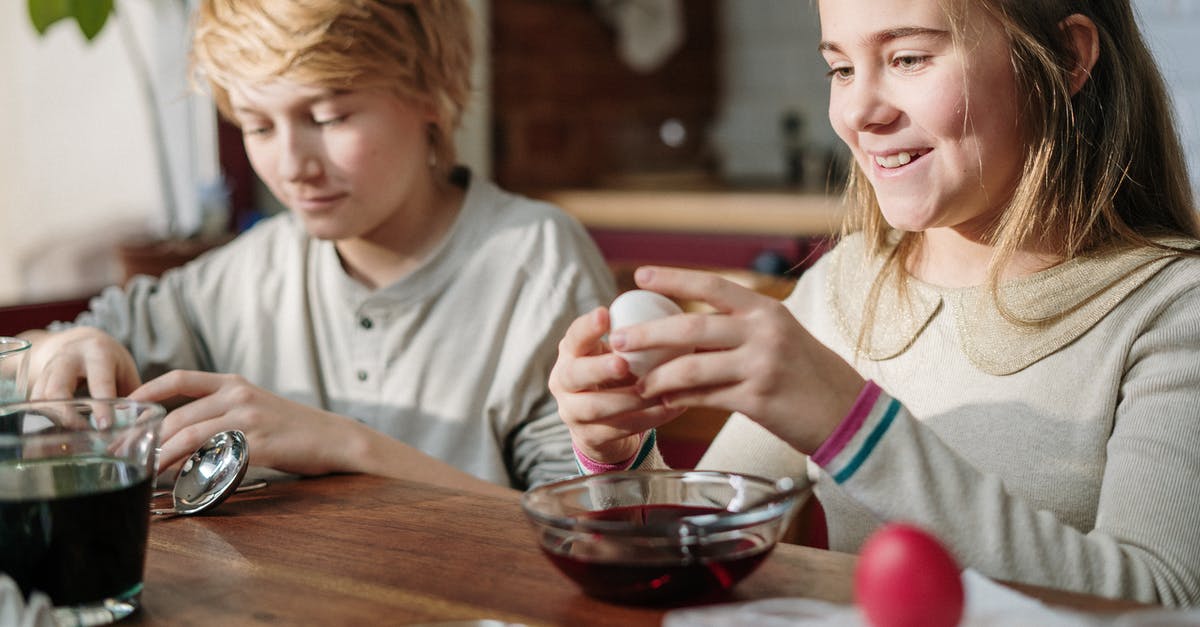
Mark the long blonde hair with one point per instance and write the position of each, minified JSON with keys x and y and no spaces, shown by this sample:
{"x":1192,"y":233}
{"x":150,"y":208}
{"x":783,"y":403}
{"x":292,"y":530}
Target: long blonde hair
{"x":419,"y":50}
{"x":1103,"y":168}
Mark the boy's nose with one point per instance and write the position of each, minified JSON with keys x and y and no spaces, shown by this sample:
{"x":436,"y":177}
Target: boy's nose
{"x":297,"y":160}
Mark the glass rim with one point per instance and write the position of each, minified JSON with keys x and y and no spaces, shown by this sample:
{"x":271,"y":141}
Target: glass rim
{"x":157,"y":413}
{"x":718,"y":521}
{"x":20,"y":345}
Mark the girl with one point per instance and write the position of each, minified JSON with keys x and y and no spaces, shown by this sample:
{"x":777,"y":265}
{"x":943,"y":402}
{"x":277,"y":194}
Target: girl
{"x":1005,"y":346}
{"x":402,"y":318}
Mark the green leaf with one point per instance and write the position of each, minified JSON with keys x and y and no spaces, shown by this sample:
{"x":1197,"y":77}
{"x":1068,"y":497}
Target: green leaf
{"x":91,"y":15}
{"x":44,"y":13}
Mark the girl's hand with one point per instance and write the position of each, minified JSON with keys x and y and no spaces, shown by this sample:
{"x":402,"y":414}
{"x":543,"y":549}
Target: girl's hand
{"x":595,"y":394}
{"x":752,"y":357}
{"x":281,"y":434}
{"x":61,"y":361}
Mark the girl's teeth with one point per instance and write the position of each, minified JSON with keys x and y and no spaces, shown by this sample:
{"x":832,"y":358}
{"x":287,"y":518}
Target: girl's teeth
{"x":894,"y":161}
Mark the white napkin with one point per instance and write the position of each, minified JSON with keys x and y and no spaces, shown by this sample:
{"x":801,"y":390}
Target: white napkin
{"x":989,"y":604}
{"x":15,"y":612}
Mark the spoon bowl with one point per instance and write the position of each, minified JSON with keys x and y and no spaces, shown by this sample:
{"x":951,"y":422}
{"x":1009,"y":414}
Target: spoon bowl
{"x":209,"y":475}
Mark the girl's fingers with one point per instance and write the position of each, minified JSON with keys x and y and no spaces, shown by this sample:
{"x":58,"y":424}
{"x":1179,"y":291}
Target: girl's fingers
{"x":583,"y":336}
{"x":604,"y":405}
{"x":724,"y":295}
{"x":583,"y":374}
{"x":728,"y":397}
{"x":583,"y":362}
{"x":695,"y":331}
{"x":694,"y":372}
{"x":614,"y":428}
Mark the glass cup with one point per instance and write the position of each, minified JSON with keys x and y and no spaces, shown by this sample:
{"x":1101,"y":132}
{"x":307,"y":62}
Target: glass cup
{"x":14,"y":369}
{"x":75,"y":484}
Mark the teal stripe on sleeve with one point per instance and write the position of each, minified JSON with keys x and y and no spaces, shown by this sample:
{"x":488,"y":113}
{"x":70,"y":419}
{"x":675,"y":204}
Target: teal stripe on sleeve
{"x":868,"y":445}
{"x":647,"y":446}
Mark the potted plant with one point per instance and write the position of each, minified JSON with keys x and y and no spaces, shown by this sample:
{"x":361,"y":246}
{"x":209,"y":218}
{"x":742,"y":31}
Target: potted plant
{"x":177,"y":246}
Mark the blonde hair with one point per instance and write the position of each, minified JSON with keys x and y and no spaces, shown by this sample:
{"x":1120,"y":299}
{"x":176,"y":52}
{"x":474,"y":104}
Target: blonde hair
{"x":1103,"y":168}
{"x":420,"y":50}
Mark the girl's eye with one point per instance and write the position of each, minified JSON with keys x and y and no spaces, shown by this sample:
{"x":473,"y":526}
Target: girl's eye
{"x":249,"y":129}
{"x":910,"y":62}
{"x":329,"y":120}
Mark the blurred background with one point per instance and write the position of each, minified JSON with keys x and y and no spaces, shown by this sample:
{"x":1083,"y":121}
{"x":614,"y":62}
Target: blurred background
{"x":686,"y":131}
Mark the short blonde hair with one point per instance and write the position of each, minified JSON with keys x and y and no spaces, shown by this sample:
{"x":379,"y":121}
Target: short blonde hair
{"x":419,"y":50}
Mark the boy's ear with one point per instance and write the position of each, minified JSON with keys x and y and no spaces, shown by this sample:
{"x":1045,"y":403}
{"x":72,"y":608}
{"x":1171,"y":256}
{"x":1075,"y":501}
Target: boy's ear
{"x":1085,"y":40}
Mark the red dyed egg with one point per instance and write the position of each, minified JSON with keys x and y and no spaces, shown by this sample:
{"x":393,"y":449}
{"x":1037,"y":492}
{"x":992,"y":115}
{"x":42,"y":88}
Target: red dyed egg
{"x":906,"y":578}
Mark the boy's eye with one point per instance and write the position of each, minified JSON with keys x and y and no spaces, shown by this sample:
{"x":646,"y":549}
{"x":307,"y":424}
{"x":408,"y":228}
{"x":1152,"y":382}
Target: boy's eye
{"x":840,"y":73}
{"x":251,"y":129}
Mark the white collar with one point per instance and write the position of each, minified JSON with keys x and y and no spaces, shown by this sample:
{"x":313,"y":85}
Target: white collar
{"x":1059,"y":304}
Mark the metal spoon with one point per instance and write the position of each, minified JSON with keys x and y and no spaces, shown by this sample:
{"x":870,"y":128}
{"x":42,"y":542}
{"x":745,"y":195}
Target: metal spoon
{"x":785,"y":488}
{"x":244,"y":486}
{"x":209,"y":475}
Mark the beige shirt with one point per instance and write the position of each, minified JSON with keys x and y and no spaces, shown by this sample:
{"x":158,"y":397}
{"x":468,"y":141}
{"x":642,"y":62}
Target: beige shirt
{"x":453,"y":359}
{"x":1065,"y":454}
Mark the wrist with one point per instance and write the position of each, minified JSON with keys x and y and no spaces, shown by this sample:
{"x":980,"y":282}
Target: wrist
{"x":612,"y":452}
{"x":849,"y":425}
{"x":641,"y":445}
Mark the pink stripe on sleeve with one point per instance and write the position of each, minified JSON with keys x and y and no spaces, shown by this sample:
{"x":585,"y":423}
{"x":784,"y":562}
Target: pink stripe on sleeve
{"x":849,"y":426}
{"x":593,"y":467}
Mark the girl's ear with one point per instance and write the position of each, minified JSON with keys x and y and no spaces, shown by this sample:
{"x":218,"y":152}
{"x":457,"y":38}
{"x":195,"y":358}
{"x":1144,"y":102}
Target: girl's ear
{"x":1085,"y":40}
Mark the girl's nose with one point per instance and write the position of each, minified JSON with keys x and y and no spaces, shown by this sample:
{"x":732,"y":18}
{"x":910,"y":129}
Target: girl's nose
{"x":866,"y":106}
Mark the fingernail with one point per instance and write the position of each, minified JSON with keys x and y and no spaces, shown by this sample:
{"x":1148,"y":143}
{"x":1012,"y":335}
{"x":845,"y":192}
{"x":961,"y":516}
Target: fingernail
{"x":643,"y":274}
{"x":616,"y":339}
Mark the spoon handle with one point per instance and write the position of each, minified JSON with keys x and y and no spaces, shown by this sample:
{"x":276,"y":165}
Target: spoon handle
{"x":247,"y":486}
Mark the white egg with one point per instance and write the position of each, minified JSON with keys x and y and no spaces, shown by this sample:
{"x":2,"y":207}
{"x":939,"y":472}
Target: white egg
{"x":635,"y":307}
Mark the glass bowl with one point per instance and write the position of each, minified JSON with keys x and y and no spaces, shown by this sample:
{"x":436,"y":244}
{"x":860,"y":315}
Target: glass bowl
{"x":660,"y":536}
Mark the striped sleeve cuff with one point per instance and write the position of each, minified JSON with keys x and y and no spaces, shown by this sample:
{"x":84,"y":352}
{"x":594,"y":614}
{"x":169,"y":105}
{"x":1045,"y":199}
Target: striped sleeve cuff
{"x":851,"y":444}
{"x":589,"y":466}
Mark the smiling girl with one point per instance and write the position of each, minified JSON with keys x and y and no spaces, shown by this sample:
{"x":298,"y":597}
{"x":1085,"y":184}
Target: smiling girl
{"x":402,"y":318}
{"x":1004,"y":348}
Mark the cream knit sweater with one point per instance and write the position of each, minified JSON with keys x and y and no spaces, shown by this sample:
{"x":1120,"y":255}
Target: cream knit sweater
{"x":1065,"y":455}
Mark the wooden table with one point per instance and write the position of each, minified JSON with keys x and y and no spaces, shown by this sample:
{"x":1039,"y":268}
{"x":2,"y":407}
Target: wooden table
{"x":363,"y":550}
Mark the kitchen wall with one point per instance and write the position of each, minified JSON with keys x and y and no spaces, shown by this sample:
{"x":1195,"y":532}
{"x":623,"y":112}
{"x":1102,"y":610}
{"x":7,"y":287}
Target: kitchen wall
{"x":771,"y":67}
{"x":570,"y":109}
{"x":75,"y":158}
{"x":77,"y":170}
{"x":1173,"y":30}
{"x":77,"y":166}
{"x":771,"y":71}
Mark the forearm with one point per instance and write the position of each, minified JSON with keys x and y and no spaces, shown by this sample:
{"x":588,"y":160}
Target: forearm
{"x":365,"y":450}
{"x":897,"y":469}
